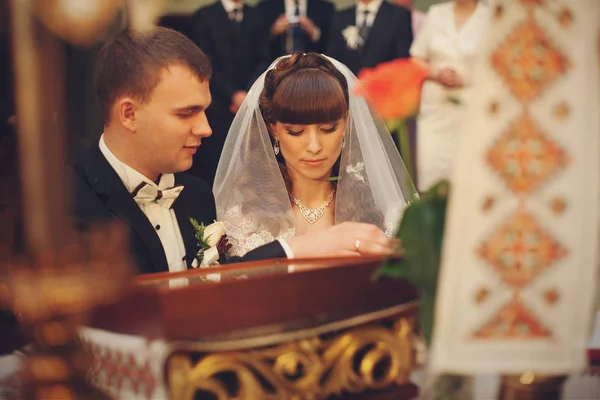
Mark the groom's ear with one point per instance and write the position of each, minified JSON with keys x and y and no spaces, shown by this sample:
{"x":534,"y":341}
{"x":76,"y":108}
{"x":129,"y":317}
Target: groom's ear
{"x":126,"y":108}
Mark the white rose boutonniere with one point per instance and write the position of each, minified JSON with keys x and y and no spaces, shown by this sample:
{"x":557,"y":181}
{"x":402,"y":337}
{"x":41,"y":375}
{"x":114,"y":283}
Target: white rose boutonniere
{"x":352,"y":36}
{"x":213,"y":233}
{"x":212,"y":242}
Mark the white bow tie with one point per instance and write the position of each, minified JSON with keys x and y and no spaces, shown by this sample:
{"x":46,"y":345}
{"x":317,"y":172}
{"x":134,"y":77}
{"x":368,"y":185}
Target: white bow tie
{"x":164,"y":197}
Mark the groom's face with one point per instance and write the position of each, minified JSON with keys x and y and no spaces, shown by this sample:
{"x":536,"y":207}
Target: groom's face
{"x":172,"y":123}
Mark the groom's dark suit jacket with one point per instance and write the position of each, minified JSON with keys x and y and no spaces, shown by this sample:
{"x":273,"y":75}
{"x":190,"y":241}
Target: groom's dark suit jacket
{"x":100,"y":195}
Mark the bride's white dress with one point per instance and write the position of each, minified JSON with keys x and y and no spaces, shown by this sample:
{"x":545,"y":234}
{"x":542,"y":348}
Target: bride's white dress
{"x":245,"y":234}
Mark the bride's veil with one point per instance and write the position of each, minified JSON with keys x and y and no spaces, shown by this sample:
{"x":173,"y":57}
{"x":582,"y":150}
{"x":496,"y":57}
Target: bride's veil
{"x":252,"y":201}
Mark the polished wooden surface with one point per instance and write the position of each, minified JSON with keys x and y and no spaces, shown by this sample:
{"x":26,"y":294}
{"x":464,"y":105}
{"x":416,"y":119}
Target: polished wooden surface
{"x":253,"y":295}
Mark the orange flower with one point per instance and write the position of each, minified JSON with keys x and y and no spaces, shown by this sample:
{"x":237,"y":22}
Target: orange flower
{"x":393,"y":88}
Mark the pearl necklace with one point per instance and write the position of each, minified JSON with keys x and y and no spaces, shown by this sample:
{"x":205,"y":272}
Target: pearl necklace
{"x":312,"y":215}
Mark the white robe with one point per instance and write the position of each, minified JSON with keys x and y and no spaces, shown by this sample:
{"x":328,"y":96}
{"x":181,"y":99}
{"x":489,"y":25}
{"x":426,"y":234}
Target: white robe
{"x":442,"y":45}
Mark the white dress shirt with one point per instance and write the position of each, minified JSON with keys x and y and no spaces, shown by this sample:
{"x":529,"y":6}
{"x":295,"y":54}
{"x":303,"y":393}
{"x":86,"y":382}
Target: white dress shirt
{"x":290,"y":8}
{"x":162,"y":219}
{"x":230,"y":6}
{"x":372,"y":8}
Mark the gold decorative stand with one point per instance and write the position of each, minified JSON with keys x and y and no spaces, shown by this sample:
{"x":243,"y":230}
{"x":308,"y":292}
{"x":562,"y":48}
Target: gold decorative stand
{"x":367,"y":352}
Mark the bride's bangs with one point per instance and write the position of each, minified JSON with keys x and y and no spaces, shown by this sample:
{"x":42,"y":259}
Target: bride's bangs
{"x":309,"y":97}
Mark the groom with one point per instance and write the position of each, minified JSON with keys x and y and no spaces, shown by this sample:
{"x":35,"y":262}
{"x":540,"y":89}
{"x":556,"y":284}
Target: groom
{"x":153,"y":92}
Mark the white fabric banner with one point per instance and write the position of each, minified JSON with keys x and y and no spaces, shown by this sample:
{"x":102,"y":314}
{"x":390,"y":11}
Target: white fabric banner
{"x":518,"y":280}
{"x":126,"y":366}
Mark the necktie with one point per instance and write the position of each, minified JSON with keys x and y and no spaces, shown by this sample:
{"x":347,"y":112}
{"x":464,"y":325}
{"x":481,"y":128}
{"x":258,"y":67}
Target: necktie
{"x":236,"y":15}
{"x":298,"y":36}
{"x":296,"y":9}
{"x":163,"y":197}
{"x":364,"y":28}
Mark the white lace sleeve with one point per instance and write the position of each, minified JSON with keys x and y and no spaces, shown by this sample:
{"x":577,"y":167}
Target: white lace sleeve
{"x":244,"y":233}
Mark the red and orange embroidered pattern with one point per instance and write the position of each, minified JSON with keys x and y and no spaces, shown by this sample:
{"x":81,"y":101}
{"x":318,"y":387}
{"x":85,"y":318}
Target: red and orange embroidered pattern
{"x":528,"y":62}
{"x":520,"y":250}
{"x":533,"y":3}
{"x":525,"y":157}
{"x":514,"y":321}
{"x":116,"y":369}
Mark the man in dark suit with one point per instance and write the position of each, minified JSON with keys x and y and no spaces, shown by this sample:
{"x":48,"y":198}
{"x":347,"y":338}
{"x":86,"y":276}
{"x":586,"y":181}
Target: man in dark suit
{"x":8,"y":139}
{"x":153,"y":92}
{"x":232,"y":35}
{"x":369,"y":33}
{"x":297,"y":25}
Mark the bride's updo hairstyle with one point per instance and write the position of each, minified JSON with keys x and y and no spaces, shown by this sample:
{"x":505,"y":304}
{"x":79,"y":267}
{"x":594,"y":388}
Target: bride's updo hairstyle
{"x":304,"y":89}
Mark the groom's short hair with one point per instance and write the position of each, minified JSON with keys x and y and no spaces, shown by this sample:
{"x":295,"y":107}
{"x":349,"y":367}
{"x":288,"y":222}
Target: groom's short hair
{"x":131,"y":62}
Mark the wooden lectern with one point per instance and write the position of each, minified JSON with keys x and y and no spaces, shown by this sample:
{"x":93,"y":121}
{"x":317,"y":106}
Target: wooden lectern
{"x":278,"y":329}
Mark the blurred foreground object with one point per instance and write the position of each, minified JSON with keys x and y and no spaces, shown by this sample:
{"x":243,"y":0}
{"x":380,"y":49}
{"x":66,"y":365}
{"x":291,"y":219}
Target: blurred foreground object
{"x":80,"y":22}
{"x":144,"y":14}
{"x":52,"y":298}
{"x":62,"y":275}
{"x":393,"y":90}
{"x":520,"y":249}
{"x":421,"y":232}
{"x":87,"y":22}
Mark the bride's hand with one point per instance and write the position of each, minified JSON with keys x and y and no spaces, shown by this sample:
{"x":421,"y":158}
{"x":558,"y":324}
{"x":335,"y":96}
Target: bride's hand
{"x":346,"y":239}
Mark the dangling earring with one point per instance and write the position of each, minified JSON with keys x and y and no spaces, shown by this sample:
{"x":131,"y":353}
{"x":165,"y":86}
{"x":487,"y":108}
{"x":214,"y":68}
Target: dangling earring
{"x":276,"y":147}
{"x":343,"y":141}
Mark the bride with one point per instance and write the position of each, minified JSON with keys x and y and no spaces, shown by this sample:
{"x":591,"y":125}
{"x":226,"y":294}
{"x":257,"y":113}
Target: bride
{"x":304,"y":154}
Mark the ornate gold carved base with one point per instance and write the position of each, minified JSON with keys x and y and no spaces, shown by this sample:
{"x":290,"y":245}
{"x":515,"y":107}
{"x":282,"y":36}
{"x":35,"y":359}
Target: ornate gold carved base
{"x":529,"y":386}
{"x":341,"y":358}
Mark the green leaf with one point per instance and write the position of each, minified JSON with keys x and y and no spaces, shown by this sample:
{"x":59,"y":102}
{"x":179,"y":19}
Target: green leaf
{"x":405,"y":150}
{"x":394,"y":124}
{"x":416,"y":233}
{"x":198,"y":227}
{"x":426,"y":309}
{"x":199,"y":236}
{"x":421,"y":232}
{"x":454,"y":100}
{"x":393,"y":268}
{"x":200,"y":256}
